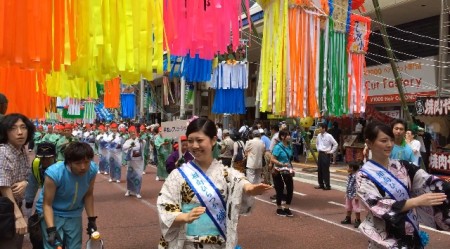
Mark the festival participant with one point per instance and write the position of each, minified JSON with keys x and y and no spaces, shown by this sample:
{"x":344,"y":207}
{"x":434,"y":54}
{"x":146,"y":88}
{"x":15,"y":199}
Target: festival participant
{"x":203,"y":185}
{"x":124,"y":136}
{"x":16,"y":130}
{"x":396,"y":193}
{"x":65,"y":138}
{"x":163,"y":149}
{"x":174,"y":161}
{"x":68,"y":189}
{"x":144,"y":136}
{"x":114,"y":147}
{"x":89,"y":136}
{"x":103,"y":150}
{"x":414,"y":144}
{"x":133,"y":147}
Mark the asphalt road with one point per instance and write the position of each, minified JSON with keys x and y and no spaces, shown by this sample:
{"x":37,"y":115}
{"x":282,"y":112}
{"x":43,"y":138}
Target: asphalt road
{"x":127,"y":222}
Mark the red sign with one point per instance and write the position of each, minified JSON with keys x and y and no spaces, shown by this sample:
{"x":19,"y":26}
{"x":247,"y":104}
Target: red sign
{"x":395,"y":98}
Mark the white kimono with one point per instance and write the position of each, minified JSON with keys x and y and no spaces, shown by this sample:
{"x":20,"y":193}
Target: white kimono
{"x":176,"y":192}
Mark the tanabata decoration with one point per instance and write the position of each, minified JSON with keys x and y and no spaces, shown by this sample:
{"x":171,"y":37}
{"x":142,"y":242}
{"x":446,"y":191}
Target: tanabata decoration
{"x":195,"y":69}
{"x":230,"y":81}
{"x":102,"y":113}
{"x":128,"y":105}
{"x":358,"y":42}
{"x":89,"y":112}
{"x":202,"y":27}
{"x":112,"y":93}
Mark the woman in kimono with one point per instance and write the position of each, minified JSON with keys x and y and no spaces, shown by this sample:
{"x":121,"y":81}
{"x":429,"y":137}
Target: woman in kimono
{"x":163,"y":151}
{"x":200,"y":202}
{"x":133,"y":154}
{"x":398,"y":196}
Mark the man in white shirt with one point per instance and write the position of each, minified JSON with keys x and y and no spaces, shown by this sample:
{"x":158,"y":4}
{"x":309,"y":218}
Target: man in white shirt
{"x":219,"y":131}
{"x":326,"y":146}
{"x":254,"y":149}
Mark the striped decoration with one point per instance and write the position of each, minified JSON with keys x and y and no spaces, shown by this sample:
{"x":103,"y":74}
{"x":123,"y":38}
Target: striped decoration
{"x":89,"y":112}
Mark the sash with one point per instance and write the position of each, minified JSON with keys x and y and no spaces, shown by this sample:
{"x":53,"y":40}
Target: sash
{"x":391,"y":185}
{"x":207,"y":193}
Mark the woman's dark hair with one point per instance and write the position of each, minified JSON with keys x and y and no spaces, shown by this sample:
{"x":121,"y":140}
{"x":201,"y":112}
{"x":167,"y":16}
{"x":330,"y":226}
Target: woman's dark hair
{"x":354,"y":165}
{"x":399,"y":121}
{"x":3,"y":99}
{"x":372,"y":129}
{"x":202,"y":124}
{"x":282,"y":134}
{"x":8,"y":121}
{"x":77,"y":151}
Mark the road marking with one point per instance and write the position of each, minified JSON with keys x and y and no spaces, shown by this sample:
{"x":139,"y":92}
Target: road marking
{"x":125,"y":190}
{"x":434,"y":230}
{"x":312,"y":216}
{"x":298,"y":193}
{"x":336,"y":203}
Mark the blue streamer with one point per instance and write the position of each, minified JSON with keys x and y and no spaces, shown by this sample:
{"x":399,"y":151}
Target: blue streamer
{"x":331,"y":5}
{"x":229,"y":101}
{"x":196,"y":69}
{"x":128,"y":105}
{"x":349,"y":12}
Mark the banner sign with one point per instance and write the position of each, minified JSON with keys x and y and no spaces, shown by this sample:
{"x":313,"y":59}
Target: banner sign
{"x":440,"y":162}
{"x":417,"y":76}
{"x":174,"y":129}
{"x":432,"y":106}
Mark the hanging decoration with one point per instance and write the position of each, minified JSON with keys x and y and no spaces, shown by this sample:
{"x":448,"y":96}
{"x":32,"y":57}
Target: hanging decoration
{"x":102,"y":113}
{"x":230,"y":81}
{"x":128,"y":105}
{"x":112,"y":93}
{"x":195,"y":69}
{"x":89,"y":112}
{"x":202,"y":27}
{"x":358,"y":42}
{"x":304,"y":59}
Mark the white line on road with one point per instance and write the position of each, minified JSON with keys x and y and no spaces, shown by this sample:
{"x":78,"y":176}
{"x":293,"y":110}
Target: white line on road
{"x":298,"y":193}
{"x":336,"y":203}
{"x":312,"y":216}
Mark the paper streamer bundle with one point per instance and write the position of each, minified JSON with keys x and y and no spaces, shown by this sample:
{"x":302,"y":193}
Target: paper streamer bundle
{"x":202,"y":27}
{"x":358,"y":41}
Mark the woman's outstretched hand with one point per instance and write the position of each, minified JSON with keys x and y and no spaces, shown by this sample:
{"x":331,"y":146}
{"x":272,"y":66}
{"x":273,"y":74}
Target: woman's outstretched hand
{"x":256,"y":189}
{"x":430,"y":199}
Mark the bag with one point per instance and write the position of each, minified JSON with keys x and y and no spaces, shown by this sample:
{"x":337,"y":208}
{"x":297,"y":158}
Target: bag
{"x":7,"y":218}
{"x":291,"y":169}
{"x":240,"y":153}
{"x":34,"y":228}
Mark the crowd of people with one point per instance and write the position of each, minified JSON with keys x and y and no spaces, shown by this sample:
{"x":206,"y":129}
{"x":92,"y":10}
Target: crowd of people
{"x":210,"y":176}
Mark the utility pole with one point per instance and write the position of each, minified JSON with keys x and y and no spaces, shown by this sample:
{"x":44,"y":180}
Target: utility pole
{"x":391,"y":56}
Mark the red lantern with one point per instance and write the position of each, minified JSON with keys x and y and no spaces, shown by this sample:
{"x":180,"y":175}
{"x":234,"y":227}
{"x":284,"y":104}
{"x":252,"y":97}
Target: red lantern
{"x":356,"y":4}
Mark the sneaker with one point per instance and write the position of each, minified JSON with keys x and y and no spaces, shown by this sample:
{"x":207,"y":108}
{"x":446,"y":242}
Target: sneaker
{"x":280,"y":212}
{"x":118,"y":181}
{"x":347,"y":220}
{"x":327,"y":188}
{"x":282,"y":202}
{"x":288,"y":212}
{"x":144,"y":173}
{"x":29,"y":150}
{"x":157,"y":178}
{"x":110,"y":180}
{"x":105,"y":173}
{"x":138,"y":196}
{"x":127,"y":193}
{"x":357,"y":223}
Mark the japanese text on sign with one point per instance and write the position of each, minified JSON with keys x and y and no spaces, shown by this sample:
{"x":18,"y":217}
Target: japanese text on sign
{"x":433,"y":106}
{"x":440,"y":161}
{"x":174,"y":129}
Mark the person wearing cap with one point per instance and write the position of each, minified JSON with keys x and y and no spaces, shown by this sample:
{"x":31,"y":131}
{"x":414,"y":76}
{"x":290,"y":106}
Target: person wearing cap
{"x":50,"y":136}
{"x":174,"y":161}
{"x":226,"y":150}
{"x":89,"y":136}
{"x":163,"y":149}
{"x":254,"y":149}
{"x":114,"y":146}
{"x":133,"y":147}
{"x":103,"y":150}
{"x":124,"y":136}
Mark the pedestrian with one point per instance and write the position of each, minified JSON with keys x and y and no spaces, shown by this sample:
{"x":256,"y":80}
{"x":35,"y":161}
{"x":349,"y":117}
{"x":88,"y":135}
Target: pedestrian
{"x":204,"y":191}
{"x":283,"y":173}
{"x":426,"y":146}
{"x":16,"y":130}
{"x":163,"y":150}
{"x":267,"y":176}
{"x":134,"y":156}
{"x":114,"y":146}
{"x":226,"y":148}
{"x":326,"y":146}
{"x":254,"y":149}
{"x":414,"y":145}
{"x":336,"y":133}
{"x":174,"y":161}
{"x":401,"y":150}
{"x":351,"y":201}
{"x":395,"y":191}
{"x":103,"y":150}
{"x":68,"y":189}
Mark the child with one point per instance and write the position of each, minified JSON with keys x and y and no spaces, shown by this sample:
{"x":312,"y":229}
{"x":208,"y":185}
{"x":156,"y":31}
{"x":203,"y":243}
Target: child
{"x":351,"y":201}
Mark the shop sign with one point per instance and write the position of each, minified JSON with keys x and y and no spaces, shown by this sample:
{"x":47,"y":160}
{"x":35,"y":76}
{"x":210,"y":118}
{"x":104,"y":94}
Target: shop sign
{"x":417,"y":76}
{"x":174,"y":129}
{"x":433,"y":106}
{"x":273,"y":116}
{"x":440,"y":161}
{"x":392,"y":114}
